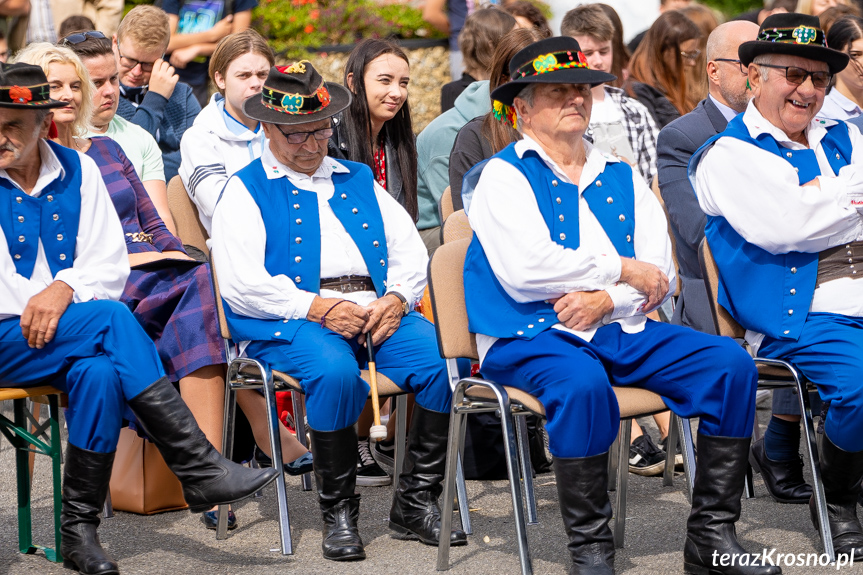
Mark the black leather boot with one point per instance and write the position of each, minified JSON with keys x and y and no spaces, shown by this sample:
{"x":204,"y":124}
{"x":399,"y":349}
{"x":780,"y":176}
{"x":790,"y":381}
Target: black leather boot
{"x":710,"y":533}
{"x":783,"y":479}
{"x":335,"y":455}
{"x":85,"y":486}
{"x":415,"y":513}
{"x":582,"y":489}
{"x":208,"y":478}
{"x":841,"y":472}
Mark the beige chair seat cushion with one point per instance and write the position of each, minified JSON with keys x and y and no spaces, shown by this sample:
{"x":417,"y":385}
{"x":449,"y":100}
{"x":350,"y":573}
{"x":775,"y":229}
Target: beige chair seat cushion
{"x":633,"y":402}
{"x":385,"y":385}
{"x":37,"y":394}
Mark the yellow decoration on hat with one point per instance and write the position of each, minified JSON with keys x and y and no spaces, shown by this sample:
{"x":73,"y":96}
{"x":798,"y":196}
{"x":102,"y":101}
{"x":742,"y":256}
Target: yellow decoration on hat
{"x":297,"y":67}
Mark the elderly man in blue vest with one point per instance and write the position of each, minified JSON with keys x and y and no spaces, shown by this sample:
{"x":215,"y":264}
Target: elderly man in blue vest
{"x":315,"y":259}
{"x":62,"y":249}
{"x":570,"y":252}
{"x":782,"y":191}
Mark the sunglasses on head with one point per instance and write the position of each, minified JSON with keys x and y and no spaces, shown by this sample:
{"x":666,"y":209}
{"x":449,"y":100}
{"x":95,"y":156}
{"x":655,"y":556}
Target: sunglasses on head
{"x":79,"y":37}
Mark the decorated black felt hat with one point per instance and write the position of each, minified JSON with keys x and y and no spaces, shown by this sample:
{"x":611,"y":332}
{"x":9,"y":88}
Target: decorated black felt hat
{"x":25,"y":86}
{"x":557,"y":60}
{"x":793,"y":34}
{"x":296,"y":94}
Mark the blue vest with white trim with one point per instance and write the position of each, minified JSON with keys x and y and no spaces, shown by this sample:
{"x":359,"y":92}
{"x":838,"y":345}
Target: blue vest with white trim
{"x":52,"y":217}
{"x":611,"y":198}
{"x":293,"y":227}
{"x":764,"y":292}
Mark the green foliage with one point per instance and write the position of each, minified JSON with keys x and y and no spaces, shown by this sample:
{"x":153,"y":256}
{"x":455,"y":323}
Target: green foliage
{"x":733,"y":7}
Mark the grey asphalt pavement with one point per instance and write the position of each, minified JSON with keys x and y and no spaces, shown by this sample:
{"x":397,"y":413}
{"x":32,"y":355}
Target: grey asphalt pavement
{"x":177,"y":542}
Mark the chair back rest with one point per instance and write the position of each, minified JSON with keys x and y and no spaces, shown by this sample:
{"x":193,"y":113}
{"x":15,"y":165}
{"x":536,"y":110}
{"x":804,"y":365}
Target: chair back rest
{"x":456,"y":227}
{"x":446,"y":207}
{"x":446,"y":283}
{"x":722,"y":320}
{"x":185,"y":214}
{"x":220,"y":308}
{"x":655,"y":187}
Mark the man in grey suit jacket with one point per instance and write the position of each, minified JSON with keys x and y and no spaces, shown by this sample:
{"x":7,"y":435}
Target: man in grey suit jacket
{"x":728,"y":95}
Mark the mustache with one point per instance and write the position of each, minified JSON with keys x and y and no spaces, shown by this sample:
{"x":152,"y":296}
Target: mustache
{"x":8,"y":148}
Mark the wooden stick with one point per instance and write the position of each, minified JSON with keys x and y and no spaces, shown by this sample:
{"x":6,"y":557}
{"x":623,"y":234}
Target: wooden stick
{"x":377,"y":431}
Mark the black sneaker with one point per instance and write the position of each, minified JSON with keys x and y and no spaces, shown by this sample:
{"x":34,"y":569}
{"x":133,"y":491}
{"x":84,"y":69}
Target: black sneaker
{"x":369,"y":473}
{"x":645,"y":458}
{"x":678,"y":456}
{"x":384,"y":453}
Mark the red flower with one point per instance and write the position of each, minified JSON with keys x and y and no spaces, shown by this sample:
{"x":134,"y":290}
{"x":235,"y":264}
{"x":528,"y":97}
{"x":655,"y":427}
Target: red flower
{"x":309,"y":29}
{"x":314,"y":14}
{"x":20,"y":95}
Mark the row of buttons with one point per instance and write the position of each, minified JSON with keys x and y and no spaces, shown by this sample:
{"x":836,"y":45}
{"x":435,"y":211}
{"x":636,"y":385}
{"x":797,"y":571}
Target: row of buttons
{"x":530,"y":326}
{"x":49,"y":197}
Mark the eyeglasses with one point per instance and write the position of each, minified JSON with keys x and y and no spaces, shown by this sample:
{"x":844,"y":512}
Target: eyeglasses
{"x":797,"y":75}
{"x":301,"y":137}
{"x":692,"y":56}
{"x":130,"y":63}
{"x":79,"y":37}
{"x":743,"y":69}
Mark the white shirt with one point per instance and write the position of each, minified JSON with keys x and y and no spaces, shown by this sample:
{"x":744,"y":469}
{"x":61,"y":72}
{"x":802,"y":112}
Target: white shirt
{"x":837,"y":106}
{"x":761,"y":197}
{"x":101,"y":265}
{"x":239,"y":243}
{"x":532,"y":267}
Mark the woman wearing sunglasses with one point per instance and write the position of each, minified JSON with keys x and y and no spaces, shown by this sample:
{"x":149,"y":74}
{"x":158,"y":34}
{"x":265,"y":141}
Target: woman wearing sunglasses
{"x":844,"y":99}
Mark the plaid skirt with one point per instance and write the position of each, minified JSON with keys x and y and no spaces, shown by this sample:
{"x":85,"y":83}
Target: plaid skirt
{"x":175,"y":303}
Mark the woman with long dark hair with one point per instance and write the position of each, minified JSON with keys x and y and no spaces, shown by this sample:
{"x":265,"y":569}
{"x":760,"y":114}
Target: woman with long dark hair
{"x":376,"y":129}
{"x":845,"y":98}
{"x":658,"y":67}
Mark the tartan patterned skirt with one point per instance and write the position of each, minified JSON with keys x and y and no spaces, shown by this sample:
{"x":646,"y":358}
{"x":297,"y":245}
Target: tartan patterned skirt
{"x":175,"y":303}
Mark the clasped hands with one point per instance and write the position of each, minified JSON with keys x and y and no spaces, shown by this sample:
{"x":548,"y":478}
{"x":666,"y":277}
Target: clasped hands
{"x":582,"y":310}
{"x":381,"y":318}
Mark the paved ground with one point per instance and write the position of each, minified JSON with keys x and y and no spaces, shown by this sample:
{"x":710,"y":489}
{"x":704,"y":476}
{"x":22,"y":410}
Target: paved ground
{"x":177,"y":542}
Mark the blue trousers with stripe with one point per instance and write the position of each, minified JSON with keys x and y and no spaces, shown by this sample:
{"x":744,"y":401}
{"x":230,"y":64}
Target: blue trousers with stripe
{"x":698,"y":375}
{"x":100,"y":357}
{"x":328,"y":368}
{"x":829,"y":353}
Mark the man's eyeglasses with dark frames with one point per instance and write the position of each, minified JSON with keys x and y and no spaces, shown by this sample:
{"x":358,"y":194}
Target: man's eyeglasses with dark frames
{"x":131,"y":63}
{"x":301,"y":137}
{"x":743,"y":69}
{"x":795,"y":75}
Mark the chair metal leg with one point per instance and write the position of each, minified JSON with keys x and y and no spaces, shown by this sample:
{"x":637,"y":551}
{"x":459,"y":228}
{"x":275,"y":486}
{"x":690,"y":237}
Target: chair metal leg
{"x":401,"y":405}
{"x":817,"y":483}
{"x":624,"y":436}
{"x":756,"y":429}
{"x":56,"y":475}
{"x":526,"y":468}
{"x":687,"y":447}
{"x":108,"y":508}
{"x":454,"y":446}
{"x":300,"y":426}
{"x":461,"y":487}
{"x":273,"y":424}
{"x":670,"y":451}
{"x":227,"y":448}
{"x":613,"y":463}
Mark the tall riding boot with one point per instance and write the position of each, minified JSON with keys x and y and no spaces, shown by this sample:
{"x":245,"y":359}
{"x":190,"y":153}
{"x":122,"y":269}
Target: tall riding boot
{"x":415,"y":513}
{"x":711,"y":542}
{"x":85,"y":486}
{"x":336,"y":477}
{"x":841,"y":472}
{"x":582,"y":490}
{"x":208,"y":478}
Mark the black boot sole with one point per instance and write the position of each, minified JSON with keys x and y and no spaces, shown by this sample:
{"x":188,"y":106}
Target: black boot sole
{"x":350,"y":557}
{"x":757,"y":468}
{"x":406,"y":534}
{"x":691,"y":569}
{"x":71,"y":565}
{"x":250,"y":491}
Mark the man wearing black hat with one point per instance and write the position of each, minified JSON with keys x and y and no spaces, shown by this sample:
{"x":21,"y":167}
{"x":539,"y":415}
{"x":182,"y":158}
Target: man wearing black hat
{"x":61,"y":249}
{"x":570,"y":252}
{"x":782,"y":191}
{"x":314,"y":260}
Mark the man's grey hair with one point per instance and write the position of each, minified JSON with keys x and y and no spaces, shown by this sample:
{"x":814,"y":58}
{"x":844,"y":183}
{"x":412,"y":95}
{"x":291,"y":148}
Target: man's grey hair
{"x":40,"y":114}
{"x":527,"y":94}
{"x":763,"y":59}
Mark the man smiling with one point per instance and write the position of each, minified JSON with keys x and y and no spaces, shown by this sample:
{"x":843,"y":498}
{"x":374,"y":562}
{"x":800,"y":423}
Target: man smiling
{"x":783,"y":194}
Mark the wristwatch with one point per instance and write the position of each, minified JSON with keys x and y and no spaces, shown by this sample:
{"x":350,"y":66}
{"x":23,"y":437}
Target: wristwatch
{"x":406,"y":307}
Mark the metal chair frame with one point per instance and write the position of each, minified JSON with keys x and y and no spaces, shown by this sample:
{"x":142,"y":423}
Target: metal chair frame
{"x":794,"y":379}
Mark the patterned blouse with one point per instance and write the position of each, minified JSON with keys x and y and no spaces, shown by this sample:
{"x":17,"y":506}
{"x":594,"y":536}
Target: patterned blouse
{"x":145,"y":231}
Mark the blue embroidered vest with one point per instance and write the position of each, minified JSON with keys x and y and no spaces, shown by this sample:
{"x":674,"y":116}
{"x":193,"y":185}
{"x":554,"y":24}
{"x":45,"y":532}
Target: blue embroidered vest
{"x":52,"y":217}
{"x":293,"y":226}
{"x":611,"y":198}
{"x":768,"y":293}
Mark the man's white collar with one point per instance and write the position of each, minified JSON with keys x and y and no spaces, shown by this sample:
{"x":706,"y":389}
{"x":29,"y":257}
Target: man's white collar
{"x":594,"y":165}
{"x":275,"y":169}
{"x":758,"y":124}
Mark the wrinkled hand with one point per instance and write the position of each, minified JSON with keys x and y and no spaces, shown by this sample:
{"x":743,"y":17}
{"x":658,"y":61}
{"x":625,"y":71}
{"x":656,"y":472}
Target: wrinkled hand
{"x":581,"y":310}
{"x":222,"y":28}
{"x":385,"y":316}
{"x":181,"y":57}
{"x":163,"y":79}
{"x":347,"y":320}
{"x":43,"y":312}
{"x":646,"y":278}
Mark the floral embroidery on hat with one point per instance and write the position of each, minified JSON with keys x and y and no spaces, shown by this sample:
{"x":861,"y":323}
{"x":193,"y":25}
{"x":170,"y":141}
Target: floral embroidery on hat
{"x":20,"y":94}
